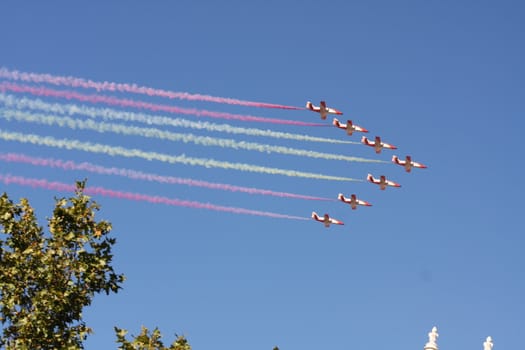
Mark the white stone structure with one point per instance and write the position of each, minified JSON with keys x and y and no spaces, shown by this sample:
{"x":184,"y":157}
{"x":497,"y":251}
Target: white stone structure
{"x":487,"y":345}
{"x":432,"y":341}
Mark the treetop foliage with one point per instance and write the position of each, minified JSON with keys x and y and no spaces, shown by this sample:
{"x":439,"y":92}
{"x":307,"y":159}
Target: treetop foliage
{"x":149,"y":341}
{"x":46,"y":280}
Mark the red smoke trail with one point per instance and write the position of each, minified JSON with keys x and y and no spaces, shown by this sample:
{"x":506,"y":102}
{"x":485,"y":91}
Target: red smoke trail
{"x":113,"y":101}
{"x":131,"y":88}
{"x":138,"y":175}
{"x":59,"y":186}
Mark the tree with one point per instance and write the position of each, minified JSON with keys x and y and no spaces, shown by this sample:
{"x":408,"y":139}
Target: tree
{"x":147,"y":341}
{"x":46,"y":280}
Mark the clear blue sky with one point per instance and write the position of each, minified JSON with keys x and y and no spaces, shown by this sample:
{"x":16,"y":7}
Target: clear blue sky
{"x":442,"y":80}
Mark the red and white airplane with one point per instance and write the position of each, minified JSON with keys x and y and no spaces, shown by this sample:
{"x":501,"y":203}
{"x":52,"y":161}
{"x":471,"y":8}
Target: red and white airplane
{"x":382,"y":181}
{"x":322,"y":109}
{"x":349,"y":126}
{"x":353,"y":201}
{"x":408,"y":163}
{"x":326,"y":219}
{"x":377,"y":144}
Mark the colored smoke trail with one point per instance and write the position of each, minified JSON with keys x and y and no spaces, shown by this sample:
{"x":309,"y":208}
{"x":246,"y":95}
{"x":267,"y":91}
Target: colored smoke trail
{"x":174,"y":137}
{"x":166,"y":158}
{"x":59,"y":186}
{"x":130,"y":88}
{"x":138,"y":175}
{"x":113,"y":114}
{"x":113,"y":101}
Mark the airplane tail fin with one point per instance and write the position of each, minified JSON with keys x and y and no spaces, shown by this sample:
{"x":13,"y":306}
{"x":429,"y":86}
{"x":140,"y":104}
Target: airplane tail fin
{"x":395,"y":159}
{"x":336,"y":122}
{"x":309,"y":105}
{"x":340,"y":196}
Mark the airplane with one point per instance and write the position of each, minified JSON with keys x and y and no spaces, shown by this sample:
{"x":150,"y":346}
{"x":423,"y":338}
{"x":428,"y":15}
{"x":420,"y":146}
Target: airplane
{"x":349,"y":126}
{"x":377,"y":144}
{"x":326,"y":219}
{"x":408,"y":164}
{"x":353,"y":201}
{"x":382,"y":181}
{"x":322,"y":109}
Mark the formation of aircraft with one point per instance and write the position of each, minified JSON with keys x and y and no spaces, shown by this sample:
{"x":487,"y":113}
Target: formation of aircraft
{"x":349,"y":127}
{"x":378,"y":146}
{"x":326,"y":219}
{"x":322,"y":109}
{"x":408,"y":163}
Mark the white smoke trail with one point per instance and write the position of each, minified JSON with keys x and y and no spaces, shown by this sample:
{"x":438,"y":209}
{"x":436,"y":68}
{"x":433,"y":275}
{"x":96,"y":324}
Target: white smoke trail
{"x":170,"y":136}
{"x":127,"y":103}
{"x":139,"y":175}
{"x":113,"y":114}
{"x":166,"y":158}
{"x":130,"y":88}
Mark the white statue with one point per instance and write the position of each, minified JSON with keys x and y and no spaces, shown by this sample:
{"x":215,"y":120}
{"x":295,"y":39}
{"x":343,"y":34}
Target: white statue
{"x":487,"y":345}
{"x":432,"y":339}
{"x":432,"y":336}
